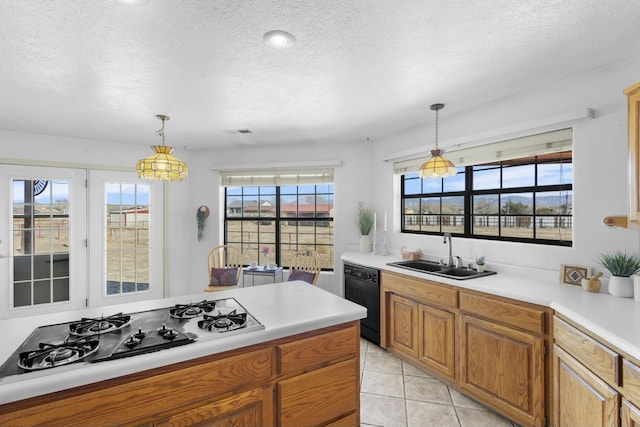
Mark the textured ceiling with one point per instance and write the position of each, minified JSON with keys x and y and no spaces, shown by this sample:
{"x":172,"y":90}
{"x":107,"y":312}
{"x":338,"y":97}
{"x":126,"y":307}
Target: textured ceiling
{"x":101,"y":69}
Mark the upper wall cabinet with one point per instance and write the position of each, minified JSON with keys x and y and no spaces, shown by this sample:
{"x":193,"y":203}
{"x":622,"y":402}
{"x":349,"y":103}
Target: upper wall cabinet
{"x":633,"y":95}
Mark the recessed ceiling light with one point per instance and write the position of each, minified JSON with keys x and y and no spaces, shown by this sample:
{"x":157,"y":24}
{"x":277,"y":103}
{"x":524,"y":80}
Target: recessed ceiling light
{"x":134,"y":2}
{"x":279,"y":39}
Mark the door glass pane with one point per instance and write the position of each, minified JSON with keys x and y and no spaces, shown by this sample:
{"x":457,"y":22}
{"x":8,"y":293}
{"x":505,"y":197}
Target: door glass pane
{"x":40,"y":228}
{"x":127,"y":211}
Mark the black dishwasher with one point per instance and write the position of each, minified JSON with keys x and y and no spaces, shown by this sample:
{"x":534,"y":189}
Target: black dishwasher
{"x":362,"y":286}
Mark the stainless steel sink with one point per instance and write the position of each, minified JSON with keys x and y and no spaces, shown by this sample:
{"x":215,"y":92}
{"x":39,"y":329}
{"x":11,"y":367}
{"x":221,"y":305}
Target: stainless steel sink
{"x":429,"y":267}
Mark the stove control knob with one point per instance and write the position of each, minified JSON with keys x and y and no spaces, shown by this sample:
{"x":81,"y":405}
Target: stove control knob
{"x":163,"y":330}
{"x":170,"y":334}
{"x":140,"y":334}
{"x":132,"y":341}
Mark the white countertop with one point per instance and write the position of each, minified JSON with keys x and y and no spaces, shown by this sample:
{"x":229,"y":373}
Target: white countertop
{"x":284,"y":309}
{"x":614,"y":319}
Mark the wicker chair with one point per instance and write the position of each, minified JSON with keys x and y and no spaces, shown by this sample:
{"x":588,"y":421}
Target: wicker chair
{"x":224,"y":256}
{"x":308,"y":261}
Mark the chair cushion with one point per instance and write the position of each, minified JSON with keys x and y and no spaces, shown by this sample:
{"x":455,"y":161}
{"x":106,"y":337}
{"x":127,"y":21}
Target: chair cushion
{"x":305,"y":276}
{"x":226,"y":276}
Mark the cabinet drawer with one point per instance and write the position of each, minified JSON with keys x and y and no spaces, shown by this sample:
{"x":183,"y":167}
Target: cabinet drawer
{"x":510,"y":313}
{"x":600,"y":359}
{"x":318,"y":350}
{"x":422,"y":290}
{"x":631,"y":381}
{"x":317,"y":397}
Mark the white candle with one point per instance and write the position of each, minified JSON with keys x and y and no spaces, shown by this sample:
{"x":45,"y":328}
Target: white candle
{"x":374,"y":221}
{"x":385,"y":221}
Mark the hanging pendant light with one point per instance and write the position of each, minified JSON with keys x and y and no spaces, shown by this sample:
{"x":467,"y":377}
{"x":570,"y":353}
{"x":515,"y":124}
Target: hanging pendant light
{"x":162,"y":166}
{"x":437,"y":166}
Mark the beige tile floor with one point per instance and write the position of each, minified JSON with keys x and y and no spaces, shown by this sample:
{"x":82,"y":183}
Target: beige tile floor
{"x":395,"y":393}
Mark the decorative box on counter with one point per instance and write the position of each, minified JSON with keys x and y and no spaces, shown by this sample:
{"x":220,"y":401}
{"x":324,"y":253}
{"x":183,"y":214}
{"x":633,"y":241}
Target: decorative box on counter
{"x":410,"y":255}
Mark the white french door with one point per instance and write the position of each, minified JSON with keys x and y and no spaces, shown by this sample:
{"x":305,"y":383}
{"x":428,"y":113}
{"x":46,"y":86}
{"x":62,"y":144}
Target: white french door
{"x":125,"y":238}
{"x":69,"y":241}
{"x":43,"y":253}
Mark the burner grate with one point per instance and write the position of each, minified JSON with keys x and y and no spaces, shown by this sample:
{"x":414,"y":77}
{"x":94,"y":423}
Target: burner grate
{"x":223,"y":322}
{"x":88,"y":326}
{"x":189,"y":311}
{"x":52,"y":355}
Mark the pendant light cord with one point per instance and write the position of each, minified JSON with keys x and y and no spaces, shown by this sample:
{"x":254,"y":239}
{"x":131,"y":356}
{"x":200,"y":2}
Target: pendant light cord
{"x":437,"y":129}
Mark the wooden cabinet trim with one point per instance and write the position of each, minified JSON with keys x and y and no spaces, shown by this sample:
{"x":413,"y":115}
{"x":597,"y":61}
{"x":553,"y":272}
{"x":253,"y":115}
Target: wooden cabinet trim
{"x":513,"y":313}
{"x":600,"y":359}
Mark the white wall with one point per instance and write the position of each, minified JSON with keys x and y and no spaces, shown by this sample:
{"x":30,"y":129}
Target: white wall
{"x":352,"y":185}
{"x":600,"y":180}
{"x":600,"y":166}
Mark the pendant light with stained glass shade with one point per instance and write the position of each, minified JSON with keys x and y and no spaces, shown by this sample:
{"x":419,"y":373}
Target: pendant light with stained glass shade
{"x":162,"y":166}
{"x":437,"y":166}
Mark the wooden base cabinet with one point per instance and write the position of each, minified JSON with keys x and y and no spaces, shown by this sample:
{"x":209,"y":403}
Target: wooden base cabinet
{"x":311,"y":379}
{"x":503,"y":368}
{"x":490,"y":348}
{"x":419,"y":324}
{"x":593,"y":383}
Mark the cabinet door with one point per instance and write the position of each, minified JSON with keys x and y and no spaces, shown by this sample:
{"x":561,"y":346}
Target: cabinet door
{"x":437,"y":340}
{"x":403,"y":325}
{"x":251,"y":408}
{"x":633,"y":94}
{"x":580,"y":397}
{"x":503,"y":368}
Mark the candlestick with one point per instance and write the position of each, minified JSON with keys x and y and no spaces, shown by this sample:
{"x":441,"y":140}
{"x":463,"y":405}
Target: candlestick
{"x":375,"y":217}
{"x":385,"y":221}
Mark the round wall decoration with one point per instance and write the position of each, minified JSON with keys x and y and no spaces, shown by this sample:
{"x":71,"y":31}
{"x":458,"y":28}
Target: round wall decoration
{"x":39,"y":186}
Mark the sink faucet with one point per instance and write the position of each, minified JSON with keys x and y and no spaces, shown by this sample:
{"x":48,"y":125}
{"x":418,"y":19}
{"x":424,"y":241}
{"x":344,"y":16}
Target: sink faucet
{"x":448,"y":236}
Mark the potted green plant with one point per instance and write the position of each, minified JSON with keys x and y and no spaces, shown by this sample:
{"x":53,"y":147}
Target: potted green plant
{"x":365,"y":224}
{"x":622,"y":266}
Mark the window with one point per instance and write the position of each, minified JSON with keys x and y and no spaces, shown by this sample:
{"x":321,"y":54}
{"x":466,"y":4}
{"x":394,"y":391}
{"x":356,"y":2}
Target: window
{"x":125,"y":239}
{"x":40,"y":241}
{"x":127,"y":213}
{"x":526,"y":199}
{"x":288,"y":219}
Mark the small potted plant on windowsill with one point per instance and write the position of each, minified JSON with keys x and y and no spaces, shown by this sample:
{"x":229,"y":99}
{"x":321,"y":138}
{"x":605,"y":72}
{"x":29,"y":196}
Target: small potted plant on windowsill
{"x":365,"y":223}
{"x":621,"y":266}
{"x":480,"y":263}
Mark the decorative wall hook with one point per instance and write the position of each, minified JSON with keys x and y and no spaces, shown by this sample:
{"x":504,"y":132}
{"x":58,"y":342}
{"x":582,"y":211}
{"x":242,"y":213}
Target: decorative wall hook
{"x":201,"y":214}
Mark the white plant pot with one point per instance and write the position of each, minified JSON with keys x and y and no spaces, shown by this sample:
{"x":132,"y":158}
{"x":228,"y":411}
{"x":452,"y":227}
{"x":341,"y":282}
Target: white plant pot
{"x":365,"y":244}
{"x":621,"y":286}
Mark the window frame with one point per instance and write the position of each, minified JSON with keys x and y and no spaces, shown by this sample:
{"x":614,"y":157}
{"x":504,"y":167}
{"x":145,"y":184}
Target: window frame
{"x":469,"y":192}
{"x":278,"y":219}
